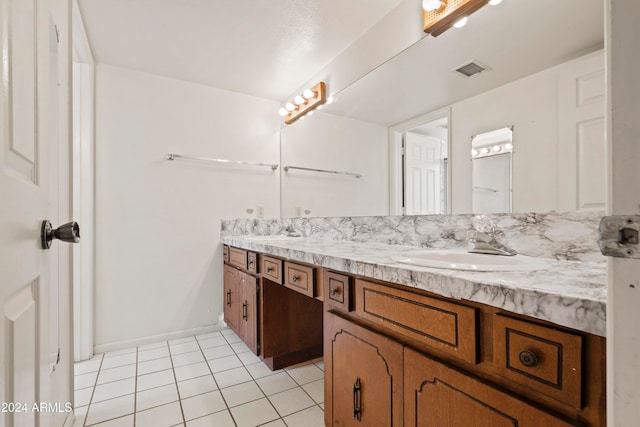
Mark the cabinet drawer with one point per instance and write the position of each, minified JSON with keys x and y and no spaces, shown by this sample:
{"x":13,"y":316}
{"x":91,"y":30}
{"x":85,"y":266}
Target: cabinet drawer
{"x":300,"y":278}
{"x":271,"y":269}
{"x":545,"y":359}
{"x":225,"y":253}
{"x":337,"y":290}
{"x":252,"y":262}
{"x":238,"y":258}
{"x":446,"y":326}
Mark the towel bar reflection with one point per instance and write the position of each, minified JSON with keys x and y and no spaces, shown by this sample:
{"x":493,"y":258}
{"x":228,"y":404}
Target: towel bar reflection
{"x":356,"y":175}
{"x":171,"y":156}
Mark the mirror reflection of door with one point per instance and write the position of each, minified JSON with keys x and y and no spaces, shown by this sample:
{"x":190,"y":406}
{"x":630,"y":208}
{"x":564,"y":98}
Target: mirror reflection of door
{"x":425,"y":168}
{"x":491,"y":171}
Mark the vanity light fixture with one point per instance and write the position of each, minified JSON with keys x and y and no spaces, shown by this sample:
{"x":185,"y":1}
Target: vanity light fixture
{"x":450,"y":13}
{"x":303,"y":104}
{"x":431,"y":5}
{"x":492,"y":150}
{"x":461,"y":22}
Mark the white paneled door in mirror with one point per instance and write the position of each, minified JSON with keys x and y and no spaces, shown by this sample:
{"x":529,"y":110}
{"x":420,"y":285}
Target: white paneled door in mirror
{"x":24,"y":192}
{"x":581,"y":142}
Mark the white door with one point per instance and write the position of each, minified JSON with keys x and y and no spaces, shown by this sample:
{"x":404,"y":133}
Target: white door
{"x":623,"y":130}
{"x":24,"y":203}
{"x":423,"y":171}
{"x":581,"y":140}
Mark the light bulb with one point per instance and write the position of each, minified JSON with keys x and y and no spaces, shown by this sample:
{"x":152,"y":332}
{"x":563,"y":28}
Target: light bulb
{"x":461,"y":22}
{"x":497,"y":148}
{"x":283,"y":112}
{"x":430,"y":5}
{"x":309,"y":113}
{"x":290,"y":106}
{"x":508,"y":146}
{"x":308,"y":93}
{"x":495,"y":2}
{"x":329,"y":100}
{"x":485,"y":151}
{"x":319,"y":107}
{"x":474,"y":152}
{"x":299,"y":100}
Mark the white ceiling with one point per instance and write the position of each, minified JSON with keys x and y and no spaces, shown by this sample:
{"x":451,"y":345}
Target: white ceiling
{"x":265,"y":48}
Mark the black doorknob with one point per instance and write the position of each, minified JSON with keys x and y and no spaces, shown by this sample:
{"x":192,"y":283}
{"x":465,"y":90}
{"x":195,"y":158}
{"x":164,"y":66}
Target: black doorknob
{"x":69,"y":232}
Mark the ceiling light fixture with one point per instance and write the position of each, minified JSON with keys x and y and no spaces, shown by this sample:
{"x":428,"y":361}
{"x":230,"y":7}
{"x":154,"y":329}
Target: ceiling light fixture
{"x":310,"y":99}
{"x":430,"y":5}
{"x":450,"y":12}
{"x":461,"y":22}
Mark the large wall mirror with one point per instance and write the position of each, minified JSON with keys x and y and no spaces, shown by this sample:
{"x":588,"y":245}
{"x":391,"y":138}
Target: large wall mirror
{"x":534,"y":71}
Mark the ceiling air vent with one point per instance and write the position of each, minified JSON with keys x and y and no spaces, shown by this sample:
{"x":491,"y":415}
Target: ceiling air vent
{"x":471,"y":68}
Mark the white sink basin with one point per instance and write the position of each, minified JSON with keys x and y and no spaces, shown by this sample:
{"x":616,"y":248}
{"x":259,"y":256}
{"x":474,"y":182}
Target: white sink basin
{"x":463,"y":260}
{"x":270,"y":238}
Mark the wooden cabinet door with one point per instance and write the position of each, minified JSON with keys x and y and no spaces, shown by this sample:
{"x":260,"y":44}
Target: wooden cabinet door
{"x":232,"y":297}
{"x":436,"y":395}
{"x":363,"y":376}
{"x":248,"y":311}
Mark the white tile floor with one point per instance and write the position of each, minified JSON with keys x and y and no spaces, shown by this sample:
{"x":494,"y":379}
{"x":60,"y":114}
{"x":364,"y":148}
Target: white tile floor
{"x":206,"y":380}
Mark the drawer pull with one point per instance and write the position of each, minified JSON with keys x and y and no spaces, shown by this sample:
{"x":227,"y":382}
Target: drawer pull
{"x":528,"y":358}
{"x":294,"y":278}
{"x":334,"y":291}
{"x":269,"y":269}
{"x":251,"y":263}
{"x":357,"y":400}
{"x":244,"y":311}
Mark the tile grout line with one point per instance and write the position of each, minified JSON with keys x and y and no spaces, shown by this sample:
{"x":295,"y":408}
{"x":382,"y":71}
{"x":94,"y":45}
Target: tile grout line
{"x":86,"y":416}
{"x":135,"y":392}
{"x":214,"y":378}
{"x":254,"y":380}
{"x":175,"y":377}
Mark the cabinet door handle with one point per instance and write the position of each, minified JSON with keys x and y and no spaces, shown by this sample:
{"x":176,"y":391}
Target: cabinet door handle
{"x":357,"y":400}
{"x":528,"y":358}
{"x":229,"y":298}
{"x":244,"y":311}
{"x":334,"y":291}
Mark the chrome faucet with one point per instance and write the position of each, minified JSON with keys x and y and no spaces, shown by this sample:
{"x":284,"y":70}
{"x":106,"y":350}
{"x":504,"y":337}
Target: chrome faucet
{"x":483,"y":238}
{"x":291,"y":231}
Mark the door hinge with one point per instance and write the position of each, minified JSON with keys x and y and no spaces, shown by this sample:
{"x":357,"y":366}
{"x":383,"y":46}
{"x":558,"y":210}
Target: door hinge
{"x":618,"y":236}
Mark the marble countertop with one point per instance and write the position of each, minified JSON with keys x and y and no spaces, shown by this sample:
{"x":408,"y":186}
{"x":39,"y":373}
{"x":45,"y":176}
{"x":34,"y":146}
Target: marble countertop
{"x":569,"y":293}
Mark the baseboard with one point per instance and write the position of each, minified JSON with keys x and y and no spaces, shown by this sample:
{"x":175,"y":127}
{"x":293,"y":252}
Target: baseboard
{"x":121,"y":345}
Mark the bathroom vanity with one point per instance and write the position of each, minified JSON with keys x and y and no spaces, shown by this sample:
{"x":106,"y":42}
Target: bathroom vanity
{"x":411,"y":345}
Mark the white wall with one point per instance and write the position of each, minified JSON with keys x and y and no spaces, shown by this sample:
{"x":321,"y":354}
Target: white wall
{"x":157,"y":222}
{"x":326,"y":141}
{"x":531,"y":106}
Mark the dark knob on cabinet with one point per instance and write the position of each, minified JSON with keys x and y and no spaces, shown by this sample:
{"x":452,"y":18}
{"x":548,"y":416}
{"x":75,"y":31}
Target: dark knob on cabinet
{"x":528,"y":358}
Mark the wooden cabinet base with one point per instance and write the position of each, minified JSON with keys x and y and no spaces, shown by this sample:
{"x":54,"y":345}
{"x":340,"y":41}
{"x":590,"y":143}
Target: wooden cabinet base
{"x":291,"y":326}
{"x":287,"y":359}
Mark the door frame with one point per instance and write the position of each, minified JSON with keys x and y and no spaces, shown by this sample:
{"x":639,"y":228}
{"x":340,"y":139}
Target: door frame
{"x":623,"y":198}
{"x":83,"y":201}
{"x":396,"y":155}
